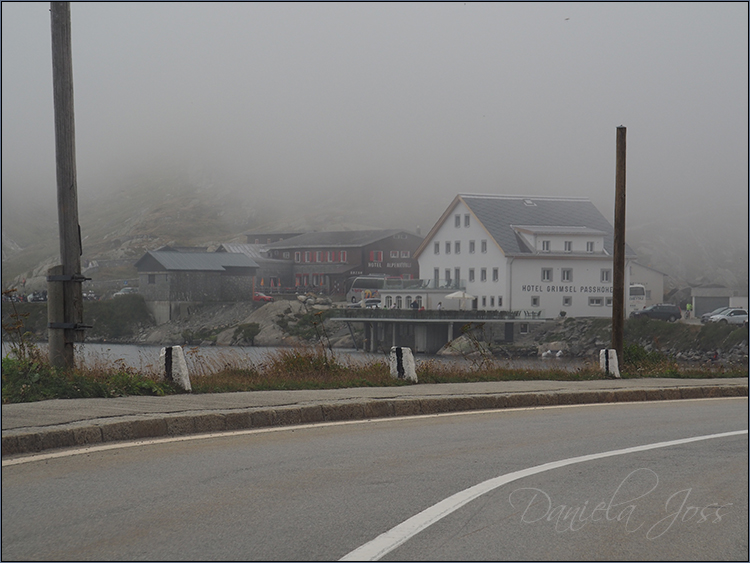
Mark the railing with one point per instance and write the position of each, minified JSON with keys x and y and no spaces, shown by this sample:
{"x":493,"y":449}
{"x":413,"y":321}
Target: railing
{"x":434,"y":315}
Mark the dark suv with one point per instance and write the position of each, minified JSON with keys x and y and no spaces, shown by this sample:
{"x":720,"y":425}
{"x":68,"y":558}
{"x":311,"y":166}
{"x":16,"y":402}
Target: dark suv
{"x":663,"y":311}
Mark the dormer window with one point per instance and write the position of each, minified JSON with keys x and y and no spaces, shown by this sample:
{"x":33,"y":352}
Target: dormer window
{"x":545,"y":246}
{"x":589,"y":246}
{"x":568,"y":246}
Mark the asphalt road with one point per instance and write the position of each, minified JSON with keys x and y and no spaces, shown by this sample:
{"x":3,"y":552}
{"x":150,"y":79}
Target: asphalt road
{"x":328,"y":492}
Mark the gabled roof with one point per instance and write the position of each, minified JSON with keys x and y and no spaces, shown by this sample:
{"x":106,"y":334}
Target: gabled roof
{"x":501,"y":215}
{"x":196,"y":261}
{"x":253,"y":251}
{"x":336,"y":239}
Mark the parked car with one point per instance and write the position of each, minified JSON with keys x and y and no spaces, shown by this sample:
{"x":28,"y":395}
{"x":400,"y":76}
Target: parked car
{"x":730,"y":316}
{"x":37,"y":296}
{"x":366,"y":304}
{"x":662,"y":311}
{"x":262,"y":297}
{"x":706,"y":316}
{"x":126,"y":291}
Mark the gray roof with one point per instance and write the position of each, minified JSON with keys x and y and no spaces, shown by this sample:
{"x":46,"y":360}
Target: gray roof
{"x":333,"y":239}
{"x":197,"y":261}
{"x":500,"y":214}
{"x":254,"y":251}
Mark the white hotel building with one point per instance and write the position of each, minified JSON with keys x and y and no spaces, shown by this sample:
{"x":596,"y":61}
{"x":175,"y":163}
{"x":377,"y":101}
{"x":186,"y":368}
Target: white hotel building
{"x":538,"y":255}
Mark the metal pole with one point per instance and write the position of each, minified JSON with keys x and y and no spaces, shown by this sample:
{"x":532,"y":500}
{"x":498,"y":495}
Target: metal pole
{"x":618,"y":273}
{"x":67,"y":190}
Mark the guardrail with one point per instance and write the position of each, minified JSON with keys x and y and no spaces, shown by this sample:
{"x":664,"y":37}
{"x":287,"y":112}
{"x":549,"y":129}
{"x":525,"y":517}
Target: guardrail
{"x":435,"y":315}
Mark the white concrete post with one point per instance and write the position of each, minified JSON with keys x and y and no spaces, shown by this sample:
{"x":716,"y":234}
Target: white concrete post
{"x":608,"y":363}
{"x":402,"y":364}
{"x":175,"y":366}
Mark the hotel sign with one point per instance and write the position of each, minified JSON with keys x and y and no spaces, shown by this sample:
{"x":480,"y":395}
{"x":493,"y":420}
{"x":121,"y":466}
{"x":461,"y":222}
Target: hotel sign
{"x":567,"y":288}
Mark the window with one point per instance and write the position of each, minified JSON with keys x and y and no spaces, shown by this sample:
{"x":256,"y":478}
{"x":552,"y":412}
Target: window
{"x":457,"y":247}
{"x":405,"y":254}
{"x":471,"y":247}
{"x":608,"y":301}
{"x":484,"y":300}
{"x":394,"y":253}
{"x":458,"y":221}
{"x":467,"y":220}
{"x":436,"y":276}
{"x":589,"y":246}
{"x":606,"y":276}
{"x":471,"y":274}
{"x":418,"y":299}
{"x":286,"y":255}
{"x":307,"y":256}
{"x":566,"y":274}
{"x":495,"y":274}
{"x":546,"y":274}
{"x":399,"y":302}
{"x":388,"y":301}
{"x":567,"y":301}
{"x":492,"y":300}
{"x":376,"y":256}
{"x":437,"y":248}
{"x":318,"y":256}
{"x":500,"y":301}
{"x":343,"y":256}
{"x":595,"y":301}
{"x":484,"y":246}
{"x":330,"y":256}
{"x":458,"y":276}
{"x":298,"y":257}
{"x":535,"y":301}
{"x":568,"y":246}
{"x":483,"y":274}
{"x":152,"y":278}
{"x":448,"y":275}
{"x":545,"y":246}
{"x":524,"y":328}
{"x":447,"y":247}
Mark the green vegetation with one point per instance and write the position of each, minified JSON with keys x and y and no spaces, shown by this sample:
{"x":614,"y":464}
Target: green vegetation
{"x":307,"y":326}
{"x":32,"y":379}
{"x":36,"y":380}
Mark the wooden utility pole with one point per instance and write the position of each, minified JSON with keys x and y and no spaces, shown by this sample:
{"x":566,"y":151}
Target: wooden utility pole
{"x":68,"y":275}
{"x":618,"y":268}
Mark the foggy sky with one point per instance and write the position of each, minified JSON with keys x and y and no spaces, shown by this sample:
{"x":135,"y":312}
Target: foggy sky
{"x":412,"y":102}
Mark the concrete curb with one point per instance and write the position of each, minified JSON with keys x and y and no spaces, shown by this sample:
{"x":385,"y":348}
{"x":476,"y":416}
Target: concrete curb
{"x":136,"y":427}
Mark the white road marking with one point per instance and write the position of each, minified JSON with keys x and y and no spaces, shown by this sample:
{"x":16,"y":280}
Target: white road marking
{"x":385,"y":543}
{"x":231,"y":433}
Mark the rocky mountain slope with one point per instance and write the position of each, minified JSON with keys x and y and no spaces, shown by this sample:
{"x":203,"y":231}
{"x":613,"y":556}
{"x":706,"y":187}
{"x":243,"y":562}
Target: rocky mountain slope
{"x":118,"y":227}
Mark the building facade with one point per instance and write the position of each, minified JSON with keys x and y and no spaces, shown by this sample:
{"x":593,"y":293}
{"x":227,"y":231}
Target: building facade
{"x":171,"y":282}
{"x":325,"y":261}
{"x":540,"y":256}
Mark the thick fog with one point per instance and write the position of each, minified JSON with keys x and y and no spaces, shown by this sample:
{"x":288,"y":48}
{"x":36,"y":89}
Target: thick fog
{"x":394,"y":106}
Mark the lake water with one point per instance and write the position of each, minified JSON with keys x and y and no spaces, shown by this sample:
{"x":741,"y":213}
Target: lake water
{"x":207,"y":359}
